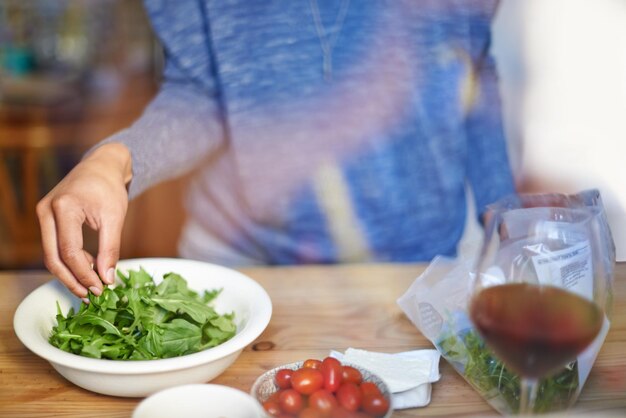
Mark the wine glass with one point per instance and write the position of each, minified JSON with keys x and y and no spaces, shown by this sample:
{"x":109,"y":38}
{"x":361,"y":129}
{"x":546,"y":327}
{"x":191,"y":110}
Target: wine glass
{"x":540,"y":289}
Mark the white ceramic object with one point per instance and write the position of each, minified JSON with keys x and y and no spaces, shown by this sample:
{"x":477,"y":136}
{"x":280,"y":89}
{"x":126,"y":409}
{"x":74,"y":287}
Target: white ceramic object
{"x":36,"y":316}
{"x":199,"y":401}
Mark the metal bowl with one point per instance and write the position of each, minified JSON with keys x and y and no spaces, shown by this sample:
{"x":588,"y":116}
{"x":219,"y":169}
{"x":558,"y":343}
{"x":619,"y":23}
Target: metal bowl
{"x":265,"y":385}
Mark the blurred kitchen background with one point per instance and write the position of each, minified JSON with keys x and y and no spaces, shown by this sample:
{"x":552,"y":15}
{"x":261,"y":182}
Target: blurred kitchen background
{"x":73,"y":72}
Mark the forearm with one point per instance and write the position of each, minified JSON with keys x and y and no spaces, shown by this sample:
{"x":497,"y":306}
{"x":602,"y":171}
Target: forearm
{"x":178,"y":129}
{"x":113,"y":157}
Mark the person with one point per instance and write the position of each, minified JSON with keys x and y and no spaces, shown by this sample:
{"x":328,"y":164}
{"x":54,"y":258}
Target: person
{"x":319,"y":131}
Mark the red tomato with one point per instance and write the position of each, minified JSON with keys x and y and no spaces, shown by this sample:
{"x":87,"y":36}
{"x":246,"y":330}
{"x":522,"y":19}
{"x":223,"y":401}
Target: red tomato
{"x":312,"y":363}
{"x":311,"y":413}
{"x":369,"y":388}
{"x":349,"y":396}
{"x":339,"y":412}
{"x":332,"y":371}
{"x":283,"y":378}
{"x":274,"y":396}
{"x":323,"y":401}
{"x":307,"y":380}
{"x":352,"y":375}
{"x":290,"y":401}
{"x":376,"y":405}
{"x":271,"y":407}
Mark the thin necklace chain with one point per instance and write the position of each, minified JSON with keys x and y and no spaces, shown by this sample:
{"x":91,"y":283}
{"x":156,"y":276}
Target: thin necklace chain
{"x":327,"y":43}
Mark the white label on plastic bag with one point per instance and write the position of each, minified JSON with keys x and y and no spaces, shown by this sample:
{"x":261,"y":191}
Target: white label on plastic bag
{"x":570,"y":268}
{"x":430,"y":320}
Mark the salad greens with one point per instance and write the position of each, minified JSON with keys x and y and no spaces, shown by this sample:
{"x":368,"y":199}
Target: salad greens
{"x":489,"y":376}
{"x":143,"y":321}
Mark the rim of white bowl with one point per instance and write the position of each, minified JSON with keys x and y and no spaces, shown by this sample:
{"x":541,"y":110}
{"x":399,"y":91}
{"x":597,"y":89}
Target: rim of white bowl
{"x":30,"y":336}
{"x":183,"y":392}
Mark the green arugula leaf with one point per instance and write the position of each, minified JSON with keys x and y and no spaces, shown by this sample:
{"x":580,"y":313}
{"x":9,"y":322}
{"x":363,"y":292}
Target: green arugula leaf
{"x":492,"y":379}
{"x":180,"y":336}
{"x":139,"y":278}
{"x":181,"y":304}
{"x":208,"y":296}
{"x":139,"y":320}
{"x":93,"y":319}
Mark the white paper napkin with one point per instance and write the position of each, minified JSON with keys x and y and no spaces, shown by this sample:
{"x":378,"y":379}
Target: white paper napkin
{"x":408,"y":374}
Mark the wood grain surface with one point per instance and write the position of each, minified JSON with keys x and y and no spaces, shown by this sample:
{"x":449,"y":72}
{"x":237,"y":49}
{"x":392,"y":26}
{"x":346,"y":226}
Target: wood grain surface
{"x":316,"y":309}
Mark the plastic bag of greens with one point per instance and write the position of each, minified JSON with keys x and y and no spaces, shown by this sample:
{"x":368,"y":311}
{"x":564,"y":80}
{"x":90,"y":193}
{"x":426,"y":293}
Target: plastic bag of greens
{"x":437,"y":304}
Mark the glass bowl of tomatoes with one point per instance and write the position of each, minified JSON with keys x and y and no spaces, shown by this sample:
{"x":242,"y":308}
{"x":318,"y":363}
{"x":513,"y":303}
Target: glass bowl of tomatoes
{"x":322,"y":388}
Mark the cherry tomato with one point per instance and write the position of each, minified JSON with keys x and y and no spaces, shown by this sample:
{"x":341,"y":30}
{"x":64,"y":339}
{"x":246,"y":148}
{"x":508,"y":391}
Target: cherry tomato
{"x":376,"y":405}
{"x":340,"y":412}
{"x":290,"y":401}
{"x":283,"y":378}
{"x":349,"y":396}
{"x":352,"y":375}
{"x":312,"y":363}
{"x":311,"y":413}
{"x":369,"y":388}
{"x":332,"y":371}
{"x":307,"y":380}
{"x":271,"y":407}
{"x":274,"y":396}
{"x":323,"y":401}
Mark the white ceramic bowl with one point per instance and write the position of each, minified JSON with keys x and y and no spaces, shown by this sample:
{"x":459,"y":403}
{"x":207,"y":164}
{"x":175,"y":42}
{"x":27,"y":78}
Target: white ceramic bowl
{"x":199,"y":401}
{"x":36,"y":316}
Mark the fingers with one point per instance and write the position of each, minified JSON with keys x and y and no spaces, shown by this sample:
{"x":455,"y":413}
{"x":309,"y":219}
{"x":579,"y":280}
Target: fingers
{"x":52,"y":258}
{"x":91,"y":193}
{"x":90,"y":258}
{"x":109,"y":249}
{"x":69,"y":229}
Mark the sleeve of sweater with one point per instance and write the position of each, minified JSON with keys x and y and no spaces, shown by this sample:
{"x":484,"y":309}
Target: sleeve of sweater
{"x":183,"y":124}
{"x":489,"y":172}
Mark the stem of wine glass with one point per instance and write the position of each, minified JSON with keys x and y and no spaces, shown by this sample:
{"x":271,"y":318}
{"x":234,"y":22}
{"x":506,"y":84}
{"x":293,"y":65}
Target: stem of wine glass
{"x":528,"y":395}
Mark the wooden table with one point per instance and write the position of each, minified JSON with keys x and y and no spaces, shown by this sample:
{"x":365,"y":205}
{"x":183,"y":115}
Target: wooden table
{"x":315,"y":309}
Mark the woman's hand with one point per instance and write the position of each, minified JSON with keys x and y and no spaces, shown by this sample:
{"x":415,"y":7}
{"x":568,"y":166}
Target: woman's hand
{"x":93,"y":193}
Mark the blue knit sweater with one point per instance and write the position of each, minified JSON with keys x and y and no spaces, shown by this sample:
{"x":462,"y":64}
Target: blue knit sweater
{"x":365,"y":158}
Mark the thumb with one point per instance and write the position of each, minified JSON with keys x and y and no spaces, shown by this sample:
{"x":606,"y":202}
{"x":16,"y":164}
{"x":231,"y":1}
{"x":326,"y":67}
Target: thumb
{"x":109,"y":239}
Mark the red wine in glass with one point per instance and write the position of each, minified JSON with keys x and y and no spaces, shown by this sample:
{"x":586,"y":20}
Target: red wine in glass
{"x":535,"y":330}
